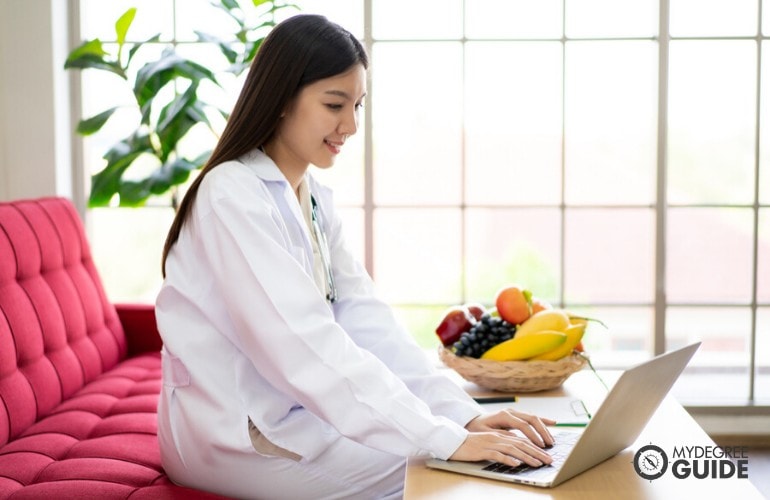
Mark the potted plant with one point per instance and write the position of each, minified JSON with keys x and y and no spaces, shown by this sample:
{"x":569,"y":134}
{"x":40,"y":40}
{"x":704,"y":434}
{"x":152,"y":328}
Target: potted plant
{"x":164,"y":121}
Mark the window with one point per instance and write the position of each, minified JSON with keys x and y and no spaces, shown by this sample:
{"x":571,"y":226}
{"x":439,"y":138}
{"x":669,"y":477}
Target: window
{"x":615,"y":168}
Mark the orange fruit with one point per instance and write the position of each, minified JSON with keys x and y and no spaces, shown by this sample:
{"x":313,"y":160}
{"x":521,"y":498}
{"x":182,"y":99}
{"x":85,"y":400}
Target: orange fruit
{"x":540,"y":305}
{"x":514,"y":304}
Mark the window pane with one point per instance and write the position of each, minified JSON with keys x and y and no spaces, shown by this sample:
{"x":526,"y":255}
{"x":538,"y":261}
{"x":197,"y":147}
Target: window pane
{"x":127,"y":245}
{"x":513,"y":19}
{"x":610,"y":18}
{"x":709,"y":255}
{"x":421,"y":322}
{"x":624,"y":340}
{"x":764,"y":128}
{"x":765,"y":19}
{"x":200,"y":15}
{"x":347,"y":13}
{"x":417,"y":106}
{"x":713,"y":17}
{"x":609,"y":256}
{"x":97,"y":19}
{"x":611,"y":115}
{"x":512,"y":246}
{"x":417,"y":255}
{"x":712,"y":110}
{"x":353,"y":226}
{"x":426,"y":19}
{"x":719,"y":370}
{"x":763,"y":268}
{"x":762,"y":387}
{"x":513,"y":123}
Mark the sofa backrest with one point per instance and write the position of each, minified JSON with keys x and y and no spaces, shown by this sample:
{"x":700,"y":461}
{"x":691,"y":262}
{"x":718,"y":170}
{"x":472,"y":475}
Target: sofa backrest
{"x":58,"y":331}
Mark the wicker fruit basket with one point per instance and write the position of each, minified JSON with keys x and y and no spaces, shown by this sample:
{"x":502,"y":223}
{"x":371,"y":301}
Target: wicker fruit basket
{"x":513,"y":376}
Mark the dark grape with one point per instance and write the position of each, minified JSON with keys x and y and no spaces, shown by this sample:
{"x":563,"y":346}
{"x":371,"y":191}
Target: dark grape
{"x":484,"y":335}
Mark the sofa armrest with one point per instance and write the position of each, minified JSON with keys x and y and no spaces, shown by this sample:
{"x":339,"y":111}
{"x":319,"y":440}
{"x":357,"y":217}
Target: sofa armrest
{"x":139,"y":325}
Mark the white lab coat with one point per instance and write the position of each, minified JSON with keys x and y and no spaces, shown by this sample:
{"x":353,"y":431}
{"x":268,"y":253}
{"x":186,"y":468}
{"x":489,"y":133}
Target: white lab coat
{"x":248,"y":335}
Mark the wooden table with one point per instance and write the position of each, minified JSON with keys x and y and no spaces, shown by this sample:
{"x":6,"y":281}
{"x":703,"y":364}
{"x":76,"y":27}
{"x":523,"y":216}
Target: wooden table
{"x":615,"y":478}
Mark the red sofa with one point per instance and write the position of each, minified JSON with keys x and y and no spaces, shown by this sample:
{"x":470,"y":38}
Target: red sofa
{"x":79,"y":376}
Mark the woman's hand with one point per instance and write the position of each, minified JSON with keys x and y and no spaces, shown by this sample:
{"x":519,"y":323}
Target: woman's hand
{"x":531,"y":426}
{"x":490,"y":439}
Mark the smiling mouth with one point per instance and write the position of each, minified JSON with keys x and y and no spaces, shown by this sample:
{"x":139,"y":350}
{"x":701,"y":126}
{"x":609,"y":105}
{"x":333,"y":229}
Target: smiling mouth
{"x":334,"y":146}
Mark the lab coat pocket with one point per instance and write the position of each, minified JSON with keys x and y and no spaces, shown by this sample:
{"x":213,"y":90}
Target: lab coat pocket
{"x":175,"y":375}
{"x":264,"y":447}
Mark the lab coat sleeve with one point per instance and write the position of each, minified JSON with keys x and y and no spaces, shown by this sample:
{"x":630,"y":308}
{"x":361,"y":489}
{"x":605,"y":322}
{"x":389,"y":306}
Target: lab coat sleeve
{"x":286,"y":329}
{"x":372,"y":325}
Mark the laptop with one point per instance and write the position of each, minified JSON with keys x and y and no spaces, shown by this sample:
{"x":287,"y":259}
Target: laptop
{"x":615,"y":426}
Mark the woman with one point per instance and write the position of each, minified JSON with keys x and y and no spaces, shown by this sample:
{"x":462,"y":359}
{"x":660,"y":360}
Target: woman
{"x":283,"y":375}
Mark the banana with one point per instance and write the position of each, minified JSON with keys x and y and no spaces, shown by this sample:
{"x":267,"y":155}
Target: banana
{"x":574,"y":334}
{"x":548,"y":320}
{"x":519,"y":348}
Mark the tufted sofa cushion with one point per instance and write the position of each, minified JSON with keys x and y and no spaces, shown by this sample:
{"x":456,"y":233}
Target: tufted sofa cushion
{"x":77,"y":416}
{"x":57,"y":330}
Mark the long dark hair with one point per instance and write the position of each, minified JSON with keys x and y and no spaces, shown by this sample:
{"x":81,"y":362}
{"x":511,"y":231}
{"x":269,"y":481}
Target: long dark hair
{"x":297,"y":52}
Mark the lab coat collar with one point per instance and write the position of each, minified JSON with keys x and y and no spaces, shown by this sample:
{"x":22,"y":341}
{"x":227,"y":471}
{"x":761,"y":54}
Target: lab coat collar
{"x":268,"y":171}
{"x":263,"y":166}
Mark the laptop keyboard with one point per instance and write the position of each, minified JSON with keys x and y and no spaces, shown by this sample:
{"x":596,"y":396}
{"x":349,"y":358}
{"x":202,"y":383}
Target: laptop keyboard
{"x":565,"y":441}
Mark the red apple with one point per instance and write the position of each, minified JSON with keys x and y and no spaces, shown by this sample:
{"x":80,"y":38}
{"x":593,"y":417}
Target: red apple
{"x":457,"y":320}
{"x":477,"y":310}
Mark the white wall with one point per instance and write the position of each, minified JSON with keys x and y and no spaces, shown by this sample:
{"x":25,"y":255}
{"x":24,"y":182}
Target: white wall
{"x":35,"y":151}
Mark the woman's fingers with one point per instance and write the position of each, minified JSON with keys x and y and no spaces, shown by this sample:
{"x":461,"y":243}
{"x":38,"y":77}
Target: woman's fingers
{"x":533,"y":427}
{"x":522,"y":449}
{"x":501,"y":447}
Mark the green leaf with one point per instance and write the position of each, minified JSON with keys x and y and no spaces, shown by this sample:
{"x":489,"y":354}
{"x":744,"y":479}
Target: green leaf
{"x":133,"y":193}
{"x":91,"y":48}
{"x":172,"y":173}
{"x":91,"y":55}
{"x":155,"y":75}
{"x":106,"y":183}
{"x":175,"y":120}
{"x":122,"y":25}
{"x":91,"y":125}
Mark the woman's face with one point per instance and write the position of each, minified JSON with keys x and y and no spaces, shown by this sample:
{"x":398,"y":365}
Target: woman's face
{"x":318,"y":121}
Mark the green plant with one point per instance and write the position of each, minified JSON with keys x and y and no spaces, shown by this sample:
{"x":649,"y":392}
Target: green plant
{"x":165,"y":117}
